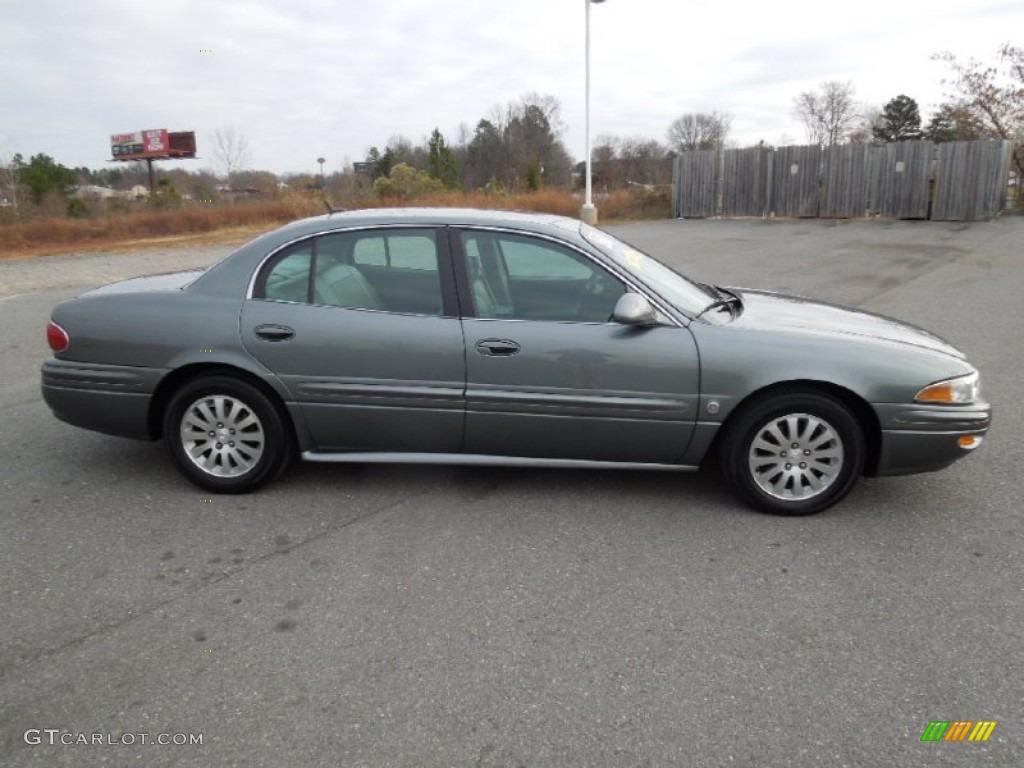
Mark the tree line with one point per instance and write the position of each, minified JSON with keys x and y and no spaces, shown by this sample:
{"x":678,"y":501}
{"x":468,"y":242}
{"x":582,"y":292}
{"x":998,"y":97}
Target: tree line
{"x":518,"y":146}
{"x":983,"y":101}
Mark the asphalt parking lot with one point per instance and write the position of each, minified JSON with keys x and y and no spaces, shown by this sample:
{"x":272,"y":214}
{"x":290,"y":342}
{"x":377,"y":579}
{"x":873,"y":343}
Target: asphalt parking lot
{"x":420,"y":616}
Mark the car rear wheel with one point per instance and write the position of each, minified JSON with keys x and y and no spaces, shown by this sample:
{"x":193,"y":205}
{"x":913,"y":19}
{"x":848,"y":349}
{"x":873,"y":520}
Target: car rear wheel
{"x":795,"y":453}
{"x":225,"y":435}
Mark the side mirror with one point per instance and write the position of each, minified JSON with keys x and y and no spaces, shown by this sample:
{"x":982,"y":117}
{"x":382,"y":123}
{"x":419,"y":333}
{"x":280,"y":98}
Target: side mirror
{"x":634,"y":309}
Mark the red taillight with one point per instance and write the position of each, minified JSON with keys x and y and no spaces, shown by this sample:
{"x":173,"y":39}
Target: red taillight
{"x":56,"y":337}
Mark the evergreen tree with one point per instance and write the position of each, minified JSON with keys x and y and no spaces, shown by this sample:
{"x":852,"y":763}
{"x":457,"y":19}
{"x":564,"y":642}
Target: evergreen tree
{"x":441,"y":161}
{"x":43,"y":174}
{"x":900,"y":121}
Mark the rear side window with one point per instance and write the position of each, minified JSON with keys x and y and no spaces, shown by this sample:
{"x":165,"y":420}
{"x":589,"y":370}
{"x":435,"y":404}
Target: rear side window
{"x":389,"y":270}
{"x":288,"y":278}
{"x":397,"y":251}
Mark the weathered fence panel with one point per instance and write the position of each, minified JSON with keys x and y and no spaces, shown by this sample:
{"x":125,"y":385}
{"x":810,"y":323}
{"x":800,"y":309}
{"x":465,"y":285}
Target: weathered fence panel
{"x":745,"y":182}
{"x":696,"y":180}
{"x":846,"y":178}
{"x":956,"y":181}
{"x":970,"y":179}
{"x":795,"y":181}
{"x":902,"y":171}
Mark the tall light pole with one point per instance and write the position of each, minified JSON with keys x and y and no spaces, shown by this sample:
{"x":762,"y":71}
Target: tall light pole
{"x":321,"y":160}
{"x":589,"y":212}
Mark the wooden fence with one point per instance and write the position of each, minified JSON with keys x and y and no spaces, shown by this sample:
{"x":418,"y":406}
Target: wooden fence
{"x":956,"y":181}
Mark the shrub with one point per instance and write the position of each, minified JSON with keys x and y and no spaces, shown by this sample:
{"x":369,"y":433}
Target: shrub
{"x":406,"y":183}
{"x":77,"y":209}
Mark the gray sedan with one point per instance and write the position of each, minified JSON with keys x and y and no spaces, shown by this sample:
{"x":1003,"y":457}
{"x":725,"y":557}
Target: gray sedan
{"x":493,"y":338}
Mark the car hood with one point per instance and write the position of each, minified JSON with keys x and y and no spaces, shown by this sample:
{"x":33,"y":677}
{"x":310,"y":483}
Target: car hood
{"x":766,"y":311}
{"x":171,"y":281}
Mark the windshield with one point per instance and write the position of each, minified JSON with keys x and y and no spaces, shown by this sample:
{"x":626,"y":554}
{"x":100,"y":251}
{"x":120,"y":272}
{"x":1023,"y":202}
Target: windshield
{"x":665,"y":281}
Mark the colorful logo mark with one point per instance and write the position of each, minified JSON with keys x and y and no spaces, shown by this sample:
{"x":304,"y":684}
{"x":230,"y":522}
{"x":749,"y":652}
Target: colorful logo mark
{"x":958,"y":730}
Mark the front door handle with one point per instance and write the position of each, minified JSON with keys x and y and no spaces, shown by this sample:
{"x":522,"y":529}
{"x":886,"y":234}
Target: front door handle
{"x":497,"y":347}
{"x":274,"y":332}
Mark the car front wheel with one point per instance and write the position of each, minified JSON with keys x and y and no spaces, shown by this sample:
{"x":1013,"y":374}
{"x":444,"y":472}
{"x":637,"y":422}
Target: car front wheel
{"x":225,"y":435}
{"x":793,"y":454}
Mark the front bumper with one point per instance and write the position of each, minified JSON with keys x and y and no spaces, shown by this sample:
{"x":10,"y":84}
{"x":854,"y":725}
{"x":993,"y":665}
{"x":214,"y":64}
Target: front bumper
{"x":924,"y":438}
{"x":113,"y":399}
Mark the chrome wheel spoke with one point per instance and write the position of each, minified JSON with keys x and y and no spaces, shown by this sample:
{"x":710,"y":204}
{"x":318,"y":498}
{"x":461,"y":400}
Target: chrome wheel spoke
{"x":815,"y":482}
{"x":822,"y":465}
{"x":197,"y":449}
{"x":793,"y":427}
{"x":765,"y":447}
{"x":245,"y":423}
{"x":201,"y":412}
{"x":775,"y":434}
{"x":826,"y":438}
{"x":219,"y":410}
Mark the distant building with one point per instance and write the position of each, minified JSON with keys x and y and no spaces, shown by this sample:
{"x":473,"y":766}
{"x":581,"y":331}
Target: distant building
{"x":91,"y":190}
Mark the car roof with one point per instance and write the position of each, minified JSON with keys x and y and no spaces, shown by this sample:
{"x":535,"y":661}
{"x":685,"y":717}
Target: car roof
{"x":432,"y":216}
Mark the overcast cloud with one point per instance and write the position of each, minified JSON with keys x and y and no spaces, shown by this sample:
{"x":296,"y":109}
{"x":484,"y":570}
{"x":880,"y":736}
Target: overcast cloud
{"x":308,"y":78}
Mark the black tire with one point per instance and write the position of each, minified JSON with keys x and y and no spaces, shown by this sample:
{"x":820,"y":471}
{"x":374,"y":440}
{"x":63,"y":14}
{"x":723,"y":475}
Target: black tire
{"x":759,"y":442}
{"x":226,"y":461}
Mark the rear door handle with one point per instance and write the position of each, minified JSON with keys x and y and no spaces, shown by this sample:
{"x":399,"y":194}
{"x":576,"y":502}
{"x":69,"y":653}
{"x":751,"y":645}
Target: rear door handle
{"x":274,"y":332}
{"x":497,"y":347}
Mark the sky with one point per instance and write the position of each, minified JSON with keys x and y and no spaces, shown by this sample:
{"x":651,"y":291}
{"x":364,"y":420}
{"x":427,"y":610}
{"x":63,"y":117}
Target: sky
{"x":302,"y":79}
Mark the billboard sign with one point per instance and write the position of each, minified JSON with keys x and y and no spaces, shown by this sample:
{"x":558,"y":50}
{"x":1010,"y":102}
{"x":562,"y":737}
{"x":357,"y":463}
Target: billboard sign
{"x":155,"y":142}
{"x":140,"y":144}
{"x":123,"y":145}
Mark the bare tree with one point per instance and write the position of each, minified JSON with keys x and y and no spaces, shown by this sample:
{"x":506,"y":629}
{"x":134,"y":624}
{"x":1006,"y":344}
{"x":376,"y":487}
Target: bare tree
{"x":630,"y":161}
{"x":607,"y":168}
{"x":992,"y":94}
{"x":866,"y":125}
{"x":827,"y":115}
{"x":700,"y":130}
{"x":231,"y":150}
{"x":644,"y":161}
{"x":10,"y":179}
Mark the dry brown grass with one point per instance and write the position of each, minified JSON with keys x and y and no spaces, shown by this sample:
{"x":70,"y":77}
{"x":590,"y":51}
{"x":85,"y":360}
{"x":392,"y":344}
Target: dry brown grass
{"x":196,"y":224}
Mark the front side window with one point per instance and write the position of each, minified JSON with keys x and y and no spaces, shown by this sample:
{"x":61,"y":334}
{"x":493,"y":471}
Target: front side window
{"x":524,"y":278}
{"x":665,"y":281}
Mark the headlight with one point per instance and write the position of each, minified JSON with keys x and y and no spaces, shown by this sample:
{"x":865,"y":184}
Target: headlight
{"x":962,"y":389}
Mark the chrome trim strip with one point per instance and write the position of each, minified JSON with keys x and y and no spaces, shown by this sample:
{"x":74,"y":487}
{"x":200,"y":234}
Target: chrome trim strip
{"x":482,"y":397}
{"x":72,"y":374}
{"x":475,"y":459}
